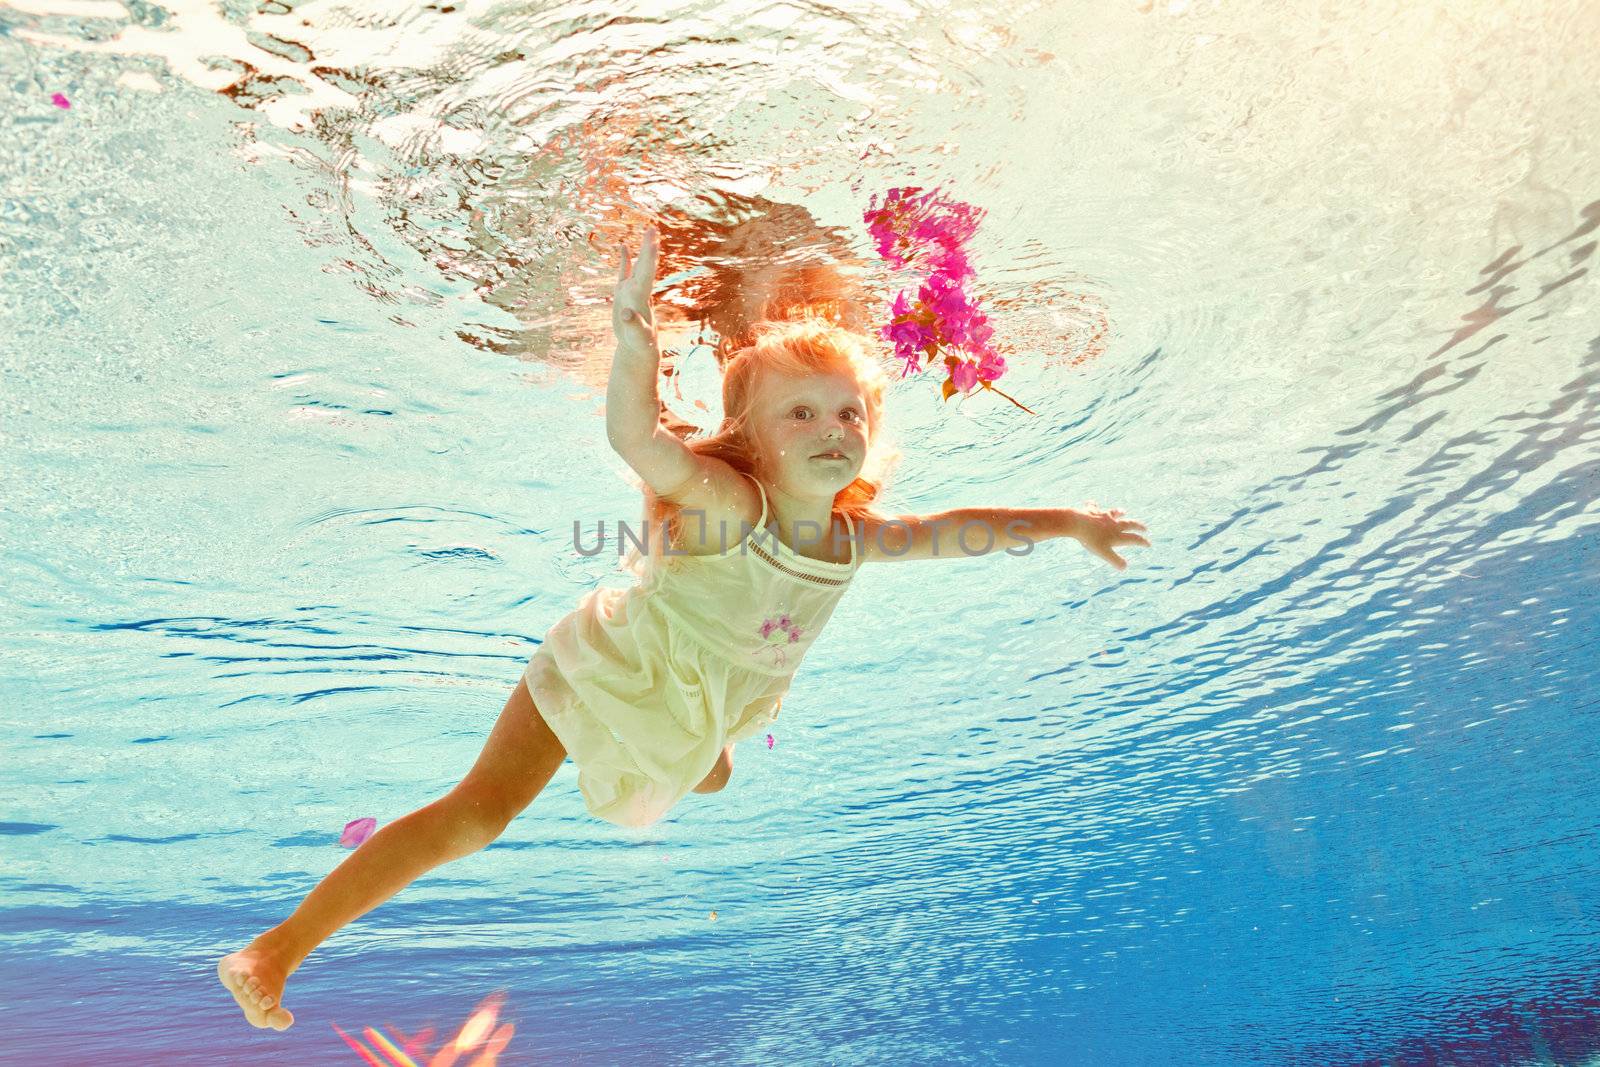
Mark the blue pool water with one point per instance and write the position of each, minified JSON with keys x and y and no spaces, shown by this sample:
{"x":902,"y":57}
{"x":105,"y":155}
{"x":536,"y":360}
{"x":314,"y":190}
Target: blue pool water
{"x":304,"y":337}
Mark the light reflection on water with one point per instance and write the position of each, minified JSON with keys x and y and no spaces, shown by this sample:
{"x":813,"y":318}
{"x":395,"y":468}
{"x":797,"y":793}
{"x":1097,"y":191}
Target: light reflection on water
{"x":305,"y":345}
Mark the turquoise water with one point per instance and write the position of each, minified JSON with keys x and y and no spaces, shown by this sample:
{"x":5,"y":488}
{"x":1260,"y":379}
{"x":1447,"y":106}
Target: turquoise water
{"x":304,"y":344}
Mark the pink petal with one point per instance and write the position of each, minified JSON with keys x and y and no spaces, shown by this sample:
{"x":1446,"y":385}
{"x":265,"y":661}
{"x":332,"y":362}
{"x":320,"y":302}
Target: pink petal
{"x":60,"y":101}
{"x":770,"y":741}
{"x":357,"y":831}
{"x":990,"y":368}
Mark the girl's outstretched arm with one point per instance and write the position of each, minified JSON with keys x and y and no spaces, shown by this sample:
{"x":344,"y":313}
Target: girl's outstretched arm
{"x":633,"y":407}
{"x":966,"y":532}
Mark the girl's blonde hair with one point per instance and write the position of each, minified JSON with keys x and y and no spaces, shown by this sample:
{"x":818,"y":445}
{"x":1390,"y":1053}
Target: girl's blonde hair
{"x":807,"y":344}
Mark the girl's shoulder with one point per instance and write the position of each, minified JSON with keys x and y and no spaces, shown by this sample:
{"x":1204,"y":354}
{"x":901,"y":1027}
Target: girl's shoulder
{"x":715,"y":516}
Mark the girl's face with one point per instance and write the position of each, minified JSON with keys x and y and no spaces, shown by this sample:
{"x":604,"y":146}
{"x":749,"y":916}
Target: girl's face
{"x":799,"y":421}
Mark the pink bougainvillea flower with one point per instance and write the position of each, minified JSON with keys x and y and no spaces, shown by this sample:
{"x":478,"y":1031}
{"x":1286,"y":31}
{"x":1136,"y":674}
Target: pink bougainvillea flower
{"x":770,"y":741}
{"x":794,"y":635}
{"x":60,"y":101}
{"x":912,"y":339}
{"x":928,"y":231}
{"x":965,"y":375}
{"x":980,"y":332}
{"x":944,"y":296}
{"x":357,"y":831}
{"x":767,"y":628}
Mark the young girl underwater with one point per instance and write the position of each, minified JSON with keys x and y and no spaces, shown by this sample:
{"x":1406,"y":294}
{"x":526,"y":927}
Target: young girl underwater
{"x":649,"y":688}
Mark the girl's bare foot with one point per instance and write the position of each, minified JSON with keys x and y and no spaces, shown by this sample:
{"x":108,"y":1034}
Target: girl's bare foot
{"x":255,"y":978}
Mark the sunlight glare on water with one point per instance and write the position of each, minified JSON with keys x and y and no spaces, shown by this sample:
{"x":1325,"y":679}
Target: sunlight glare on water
{"x":304,"y":335}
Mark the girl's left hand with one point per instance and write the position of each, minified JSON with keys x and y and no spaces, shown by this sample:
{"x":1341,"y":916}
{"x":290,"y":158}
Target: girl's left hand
{"x":1103,"y":532}
{"x":632,"y":318}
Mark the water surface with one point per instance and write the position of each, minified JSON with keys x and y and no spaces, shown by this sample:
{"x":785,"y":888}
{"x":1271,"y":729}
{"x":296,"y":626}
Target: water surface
{"x":304,"y":335}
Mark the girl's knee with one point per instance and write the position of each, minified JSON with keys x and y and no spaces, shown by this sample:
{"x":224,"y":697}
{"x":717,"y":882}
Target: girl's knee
{"x":478,"y":816}
{"x":721,"y":771}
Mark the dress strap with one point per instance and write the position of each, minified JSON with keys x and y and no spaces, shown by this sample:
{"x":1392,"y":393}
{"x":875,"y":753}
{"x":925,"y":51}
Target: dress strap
{"x":761,"y":523}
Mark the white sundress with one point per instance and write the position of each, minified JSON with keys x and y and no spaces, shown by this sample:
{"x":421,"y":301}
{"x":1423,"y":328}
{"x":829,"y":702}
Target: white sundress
{"x":644,"y":686}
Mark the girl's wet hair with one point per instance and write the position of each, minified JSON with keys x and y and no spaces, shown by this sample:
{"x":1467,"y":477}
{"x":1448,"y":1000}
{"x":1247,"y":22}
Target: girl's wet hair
{"x":809,"y":343}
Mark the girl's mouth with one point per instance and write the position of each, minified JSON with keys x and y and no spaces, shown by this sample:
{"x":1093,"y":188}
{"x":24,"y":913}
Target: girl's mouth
{"x":829,"y":455}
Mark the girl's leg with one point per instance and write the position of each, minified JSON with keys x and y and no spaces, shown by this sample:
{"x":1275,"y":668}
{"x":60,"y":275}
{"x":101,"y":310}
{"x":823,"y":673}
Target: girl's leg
{"x":722,"y":770}
{"x":518,"y":760}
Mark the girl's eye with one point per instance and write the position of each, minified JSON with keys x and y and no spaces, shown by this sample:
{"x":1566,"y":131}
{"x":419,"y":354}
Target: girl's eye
{"x":849,"y":411}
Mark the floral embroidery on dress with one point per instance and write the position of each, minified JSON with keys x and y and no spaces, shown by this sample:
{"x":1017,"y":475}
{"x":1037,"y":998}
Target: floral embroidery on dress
{"x":777,"y":633}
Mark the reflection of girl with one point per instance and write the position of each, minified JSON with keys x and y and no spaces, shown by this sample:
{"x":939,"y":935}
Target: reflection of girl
{"x":782,"y":265}
{"x":771,"y":262}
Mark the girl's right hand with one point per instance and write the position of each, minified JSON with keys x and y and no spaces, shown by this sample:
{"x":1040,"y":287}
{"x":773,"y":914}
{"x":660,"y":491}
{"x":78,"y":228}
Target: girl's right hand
{"x":631,"y":316}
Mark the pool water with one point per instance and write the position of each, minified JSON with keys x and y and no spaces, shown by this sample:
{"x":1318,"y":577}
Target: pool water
{"x":304,"y":335}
